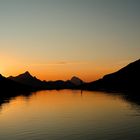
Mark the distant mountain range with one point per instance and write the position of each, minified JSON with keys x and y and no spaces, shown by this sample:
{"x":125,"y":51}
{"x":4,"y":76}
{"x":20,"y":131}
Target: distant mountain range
{"x":126,"y":79}
{"x":9,"y":86}
{"x":76,"y":81}
{"x":27,"y":79}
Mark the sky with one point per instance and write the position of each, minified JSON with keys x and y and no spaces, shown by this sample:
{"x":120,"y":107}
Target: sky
{"x":58,"y":39}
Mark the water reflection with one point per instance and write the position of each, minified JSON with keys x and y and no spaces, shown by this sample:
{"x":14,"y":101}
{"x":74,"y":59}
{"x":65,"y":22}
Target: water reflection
{"x":70,"y":114}
{"x":133,"y":99}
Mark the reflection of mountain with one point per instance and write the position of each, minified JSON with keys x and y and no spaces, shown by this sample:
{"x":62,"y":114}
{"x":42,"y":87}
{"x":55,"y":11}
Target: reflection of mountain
{"x":6,"y":97}
{"x":9,"y":89}
{"x":126,"y":79}
{"x":27,"y":79}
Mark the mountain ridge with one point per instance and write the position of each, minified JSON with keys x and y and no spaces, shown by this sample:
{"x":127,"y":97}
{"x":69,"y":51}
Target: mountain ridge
{"x":27,"y":79}
{"x":125,"y":79}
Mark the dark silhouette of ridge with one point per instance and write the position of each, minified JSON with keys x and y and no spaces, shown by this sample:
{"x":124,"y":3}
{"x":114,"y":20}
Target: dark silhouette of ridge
{"x":76,"y":81}
{"x":126,"y":79}
{"x":10,"y":89}
{"x":59,"y":84}
{"x":9,"y":86}
{"x":27,"y":79}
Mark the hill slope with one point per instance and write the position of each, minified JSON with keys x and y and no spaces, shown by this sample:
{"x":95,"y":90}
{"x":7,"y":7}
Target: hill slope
{"x":9,"y":86}
{"x":27,"y":79}
{"x":126,"y":79}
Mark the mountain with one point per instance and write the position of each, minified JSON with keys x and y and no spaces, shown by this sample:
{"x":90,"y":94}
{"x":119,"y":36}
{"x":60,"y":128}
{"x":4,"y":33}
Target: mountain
{"x":126,"y":79}
{"x":76,"y":81}
{"x":27,"y":79}
{"x":59,"y":84}
{"x":10,"y":86}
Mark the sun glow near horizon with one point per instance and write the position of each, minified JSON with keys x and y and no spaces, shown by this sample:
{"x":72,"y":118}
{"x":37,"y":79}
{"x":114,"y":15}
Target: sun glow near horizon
{"x":87,"y":71}
{"x":60,"y":39}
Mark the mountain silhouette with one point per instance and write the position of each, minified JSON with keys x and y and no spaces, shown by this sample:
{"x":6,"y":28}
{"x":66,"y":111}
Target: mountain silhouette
{"x":59,"y":84}
{"x":76,"y":81}
{"x":9,"y":86}
{"x":126,"y":79}
{"x":27,"y":79}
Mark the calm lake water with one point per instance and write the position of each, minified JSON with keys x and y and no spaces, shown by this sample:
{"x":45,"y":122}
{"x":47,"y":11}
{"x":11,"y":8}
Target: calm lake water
{"x":69,"y":115}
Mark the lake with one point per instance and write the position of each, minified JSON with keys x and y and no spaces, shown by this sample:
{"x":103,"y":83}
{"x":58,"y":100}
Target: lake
{"x":70,"y":115}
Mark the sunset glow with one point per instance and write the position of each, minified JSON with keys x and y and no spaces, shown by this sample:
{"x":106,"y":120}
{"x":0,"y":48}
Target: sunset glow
{"x":57,"y":40}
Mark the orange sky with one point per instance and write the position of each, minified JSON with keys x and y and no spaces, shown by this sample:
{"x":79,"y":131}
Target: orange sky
{"x":88,"y":71}
{"x":60,"y":39}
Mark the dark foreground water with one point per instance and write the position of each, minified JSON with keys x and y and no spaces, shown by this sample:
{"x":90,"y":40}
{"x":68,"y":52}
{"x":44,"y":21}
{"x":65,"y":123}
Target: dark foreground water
{"x":69,"y":115}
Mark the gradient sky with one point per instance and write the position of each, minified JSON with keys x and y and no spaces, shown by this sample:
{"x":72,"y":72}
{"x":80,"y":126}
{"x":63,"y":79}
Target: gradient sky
{"x":56,"y":39}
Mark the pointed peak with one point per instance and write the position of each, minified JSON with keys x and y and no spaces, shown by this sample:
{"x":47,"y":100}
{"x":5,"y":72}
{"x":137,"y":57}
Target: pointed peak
{"x":27,"y":72}
{"x":75,"y":77}
{"x":75,"y":80}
